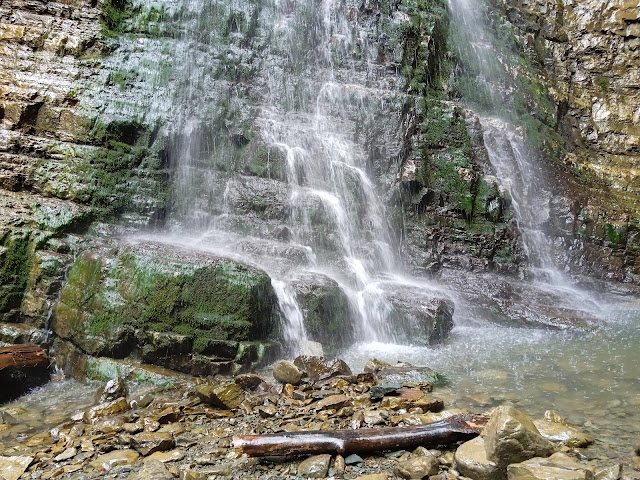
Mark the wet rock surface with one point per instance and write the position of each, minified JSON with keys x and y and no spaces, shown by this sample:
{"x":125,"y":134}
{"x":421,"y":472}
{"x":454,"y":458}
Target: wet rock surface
{"x":178,"y":435}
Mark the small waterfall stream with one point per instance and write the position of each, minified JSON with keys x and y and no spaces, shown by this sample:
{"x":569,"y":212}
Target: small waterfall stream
{"x":519,"y":169}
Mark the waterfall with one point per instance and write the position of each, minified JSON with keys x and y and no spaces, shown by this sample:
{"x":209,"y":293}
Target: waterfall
{"x":284,"y":130}
{"x":489,"y":83}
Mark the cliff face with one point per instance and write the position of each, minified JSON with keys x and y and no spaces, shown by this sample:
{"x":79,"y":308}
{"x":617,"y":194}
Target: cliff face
{"x":93,"y":102}
{"x":587,"y":52}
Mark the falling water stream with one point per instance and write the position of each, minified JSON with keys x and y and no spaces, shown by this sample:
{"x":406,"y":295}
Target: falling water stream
{"x":320,"y":99}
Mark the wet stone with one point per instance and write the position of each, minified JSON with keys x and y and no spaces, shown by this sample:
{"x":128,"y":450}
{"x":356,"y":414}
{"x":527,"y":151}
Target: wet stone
{"x":105,"y":409}
{"x":353,"y":459}
{"x":377,"y":392}
{"x":315,"y":467}
{"x":559,"y":467}
{"x":317,"y":368}
{"x":224,"y":395}
{"x":418,"y":467}
{"x":66,"y":454}
{"x":164,"y":457}
{"x":150,"y":442}
{"x":152,"y":470}
{"x":142,"y":400}
{"x":248,"y":381}
{"x":334,"y":402}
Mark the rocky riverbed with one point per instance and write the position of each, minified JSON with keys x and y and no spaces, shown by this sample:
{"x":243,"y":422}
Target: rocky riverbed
{"x":186,"y":430}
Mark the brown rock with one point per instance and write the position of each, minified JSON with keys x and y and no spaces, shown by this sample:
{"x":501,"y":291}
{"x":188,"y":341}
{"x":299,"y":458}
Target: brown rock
{"x":112,"y":390}
{"x":150,"y":442}
{"x":105,"y":409}
{"x":315,"y":467}
{"x":287,"y":372}
{"x":115,"y":458}
{"x":418,"y":467}
{"x":248,"y":381}
{"x":335,"y":402}
{"x":223,"y":395}
{"x":317,"y":368}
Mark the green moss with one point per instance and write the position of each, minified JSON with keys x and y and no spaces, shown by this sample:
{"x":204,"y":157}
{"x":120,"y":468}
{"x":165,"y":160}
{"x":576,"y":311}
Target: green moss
{"x":115,"y":14}
{"x":612,"y":234}
{"x":603,"y":83}
{"x":15,"y":266}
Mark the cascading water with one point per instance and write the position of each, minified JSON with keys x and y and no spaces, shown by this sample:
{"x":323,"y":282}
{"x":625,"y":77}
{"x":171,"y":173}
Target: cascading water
{"x":282,"y":115}
{"x":512,"y":160}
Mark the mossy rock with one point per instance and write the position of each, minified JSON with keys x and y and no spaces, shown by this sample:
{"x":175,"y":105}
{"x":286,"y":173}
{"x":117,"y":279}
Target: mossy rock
{"x":143,"y":297}
{"x":326,"y":309}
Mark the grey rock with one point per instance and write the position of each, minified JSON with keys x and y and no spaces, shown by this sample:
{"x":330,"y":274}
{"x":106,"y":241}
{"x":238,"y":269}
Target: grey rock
{"x":418,"y":467}
{"x":315,"y":467}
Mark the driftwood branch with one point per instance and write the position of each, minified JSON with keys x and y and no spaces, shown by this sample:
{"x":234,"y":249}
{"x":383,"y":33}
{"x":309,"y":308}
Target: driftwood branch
{"x":22,"y":367}
{"x":449,"y":430}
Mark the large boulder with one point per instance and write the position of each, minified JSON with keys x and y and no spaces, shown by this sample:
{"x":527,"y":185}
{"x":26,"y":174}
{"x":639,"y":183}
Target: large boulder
{"x":169,"y":304}
{"x":326,"y":309}
{"x":511,"y":437}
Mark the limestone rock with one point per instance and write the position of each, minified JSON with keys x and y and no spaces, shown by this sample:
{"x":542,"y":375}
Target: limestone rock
{"x":510,"y":437}
{"x":558,"y":467}
{"x":152,"y":470}
{"x":115,"y":458}
{"x":318,"y":368}
{"x":418,"y":467}
{"x":227,"y":396}
{"x":11,"y":468}
{"x":315,"y":467}
{"x":287,"y":372}
{"x":563,"y":434}
{"x":147,"y":443}
{"x":471,"y":460}
{"x":93,"y":414}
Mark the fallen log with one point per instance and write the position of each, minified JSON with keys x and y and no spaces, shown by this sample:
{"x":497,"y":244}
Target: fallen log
{"x":449,"y":430}
{"x":22,"y":367}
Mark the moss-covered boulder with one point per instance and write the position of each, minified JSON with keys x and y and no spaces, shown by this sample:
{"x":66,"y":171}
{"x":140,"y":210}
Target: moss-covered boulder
{"x":326,"y":309}
{"x":174,"y":307}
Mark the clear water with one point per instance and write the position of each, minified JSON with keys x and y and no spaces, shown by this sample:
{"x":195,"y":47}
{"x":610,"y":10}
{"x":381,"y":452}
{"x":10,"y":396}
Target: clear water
{"x":592,"y":379}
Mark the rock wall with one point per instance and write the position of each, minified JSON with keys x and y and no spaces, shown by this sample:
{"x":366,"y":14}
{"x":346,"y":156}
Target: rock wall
{"x":586,"y":52}
{"x":89,"y":99}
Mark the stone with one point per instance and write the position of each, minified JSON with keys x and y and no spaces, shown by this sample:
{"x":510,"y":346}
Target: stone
{"x":112,"y":390}
{"x":374,"y":476}
{"x":227,"y":396}
{"x":164,"y":457}
{"x":93,"y":414}
{"x":147,"y":443}
{"x":563,"y":434}
{"x":12,"y":468}
{"x":558,"y":466}
{"x":471,"y":460}
{"x":511,"y":437}
{"x":612,"y":472}
{"x":248,"y":381}
{"x":142,"y":400}
{"x":353,"y":459}
{"x":377,"y":392}
{"x":418,"y":467}
{"x":115,"y":458}
{"x":287,"y":372}
{"x":318,"y":368}
{"x":374,"y":365}
{"x":66,"y":455}
{"x":152,"y":470}
{"x":335,"y":402}
{"x":315,"y":467}
{"x":339,"y":464}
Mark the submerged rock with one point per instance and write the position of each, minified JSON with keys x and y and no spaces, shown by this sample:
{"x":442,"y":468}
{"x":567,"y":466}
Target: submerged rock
{"x":558,"y":467}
